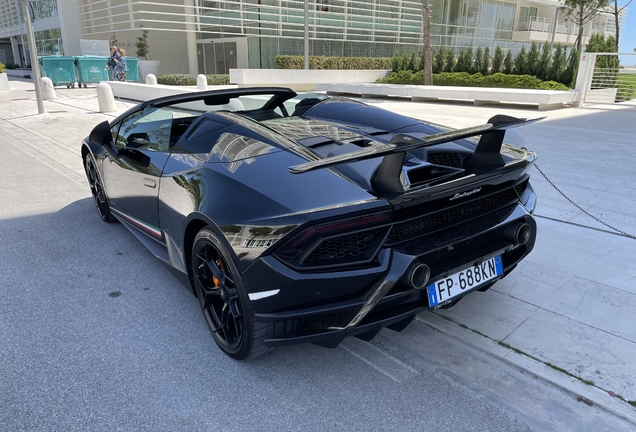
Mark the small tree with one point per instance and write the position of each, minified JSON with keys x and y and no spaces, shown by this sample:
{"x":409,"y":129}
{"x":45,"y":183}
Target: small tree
{"x":616,"y":11}
{"x":449,"y":65}
{"x":497,"y":60}
{"x":568,"y":76}
{"x":485,"y":62}
{"x":465,"y":61}
{"x":606,"y":66}
{"x":581,"y":12}
{"x":412,"y":64}
{"x":532,"y":64}
{"x":521,"y":62}
{"x":508,"y":64}
{"x":395,"y":62}
{"x":142,"y":44}
{"x":558,"y":59}
{"x":470,"y":61}
{"x":440,"y":58}
{"x":479,"y":57}
{"x":113,"y":40}
{"x":544,"y":62}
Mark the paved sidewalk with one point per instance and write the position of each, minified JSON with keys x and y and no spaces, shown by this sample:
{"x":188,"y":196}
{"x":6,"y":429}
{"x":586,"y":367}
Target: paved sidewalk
{"x":567,"y":313}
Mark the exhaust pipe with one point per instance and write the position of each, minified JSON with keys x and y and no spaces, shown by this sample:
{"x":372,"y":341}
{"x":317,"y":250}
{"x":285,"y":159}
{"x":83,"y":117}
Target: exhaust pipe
{"x":417,"y":276}
{"x":518,"y":234}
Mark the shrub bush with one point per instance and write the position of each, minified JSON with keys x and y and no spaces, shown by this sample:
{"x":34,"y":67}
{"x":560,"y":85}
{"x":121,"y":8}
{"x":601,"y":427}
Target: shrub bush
{"x":464,"y":79}
{"x":333,"y":63}
{"x":1,"y":67}
{"x":190,"y":80}
{"x":625,"y":92}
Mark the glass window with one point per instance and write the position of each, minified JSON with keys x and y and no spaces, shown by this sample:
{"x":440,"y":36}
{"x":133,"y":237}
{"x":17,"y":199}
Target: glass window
{"x":147,"y":129}
{"x":44,"y":9}
{"x":201,"y":138}
{"x":49,"y":42}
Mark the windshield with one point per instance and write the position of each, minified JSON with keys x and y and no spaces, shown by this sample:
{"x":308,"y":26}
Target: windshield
{"x":254,"y":106}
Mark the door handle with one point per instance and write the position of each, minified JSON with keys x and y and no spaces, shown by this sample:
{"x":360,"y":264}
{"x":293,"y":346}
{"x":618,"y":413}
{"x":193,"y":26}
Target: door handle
{"x":150,"y":183}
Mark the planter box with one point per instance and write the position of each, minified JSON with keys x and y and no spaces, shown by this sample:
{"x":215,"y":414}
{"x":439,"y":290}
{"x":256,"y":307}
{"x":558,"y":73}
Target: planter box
{"x":300,"y":79}
{"x":545,"y":99}
{"x":143,"y":92}
{"x":148,"y":67}
{"x":20,"y":73}
{"x":4,"y":82}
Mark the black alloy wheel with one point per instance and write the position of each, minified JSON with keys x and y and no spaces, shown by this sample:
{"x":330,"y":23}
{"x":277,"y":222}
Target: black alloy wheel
{"x":97,"y":190}
{"x":225,"y":305}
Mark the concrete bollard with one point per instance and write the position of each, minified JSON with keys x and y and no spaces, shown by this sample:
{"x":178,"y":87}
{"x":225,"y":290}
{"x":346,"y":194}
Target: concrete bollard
{"x":48,"y":91}
{"x":105,"y":98}
{"x":202,"y":82}
{"x":4,"y":82}
{"x":151,"y":79}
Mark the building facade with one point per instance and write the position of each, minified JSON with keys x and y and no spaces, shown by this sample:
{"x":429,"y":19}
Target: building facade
{"x":205,"y":36}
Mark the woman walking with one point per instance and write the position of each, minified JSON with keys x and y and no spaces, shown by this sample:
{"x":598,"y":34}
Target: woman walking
{"x":121,"y":68}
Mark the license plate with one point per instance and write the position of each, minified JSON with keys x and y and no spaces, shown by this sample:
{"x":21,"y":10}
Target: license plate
{"x":463,"y":281}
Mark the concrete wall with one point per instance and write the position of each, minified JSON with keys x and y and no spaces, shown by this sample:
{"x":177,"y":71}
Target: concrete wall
{"x":68,"y":22}
{"x":144,"y":92}
{"x":121,"y":20}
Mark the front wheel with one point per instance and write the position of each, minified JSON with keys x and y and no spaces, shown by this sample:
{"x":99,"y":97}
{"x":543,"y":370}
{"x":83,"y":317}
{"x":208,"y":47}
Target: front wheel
{"x":97,"y":190}
{"x":226,"y":308}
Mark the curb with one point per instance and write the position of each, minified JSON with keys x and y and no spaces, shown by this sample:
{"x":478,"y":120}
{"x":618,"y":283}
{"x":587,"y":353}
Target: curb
{"x":585,"y":393}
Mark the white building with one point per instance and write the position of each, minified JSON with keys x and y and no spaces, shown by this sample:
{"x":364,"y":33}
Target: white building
{"x":192,"y":36}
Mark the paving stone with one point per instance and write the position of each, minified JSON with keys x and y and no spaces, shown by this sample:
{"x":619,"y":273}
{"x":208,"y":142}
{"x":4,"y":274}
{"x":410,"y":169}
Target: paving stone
{"x":491,"y":313}
{"x":583,"y":350}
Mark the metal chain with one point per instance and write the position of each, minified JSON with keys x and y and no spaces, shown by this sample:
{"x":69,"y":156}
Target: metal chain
{"x":623,"y":233}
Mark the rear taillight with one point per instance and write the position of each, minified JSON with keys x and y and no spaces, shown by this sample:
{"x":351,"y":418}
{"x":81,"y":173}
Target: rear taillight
{"x":341,"y":242}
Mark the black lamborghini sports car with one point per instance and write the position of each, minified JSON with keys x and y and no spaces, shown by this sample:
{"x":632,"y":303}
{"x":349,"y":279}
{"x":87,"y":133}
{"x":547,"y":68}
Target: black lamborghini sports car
{"x":307,"y":218}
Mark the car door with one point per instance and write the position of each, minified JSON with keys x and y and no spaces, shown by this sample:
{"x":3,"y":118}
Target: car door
{"x":132,"y":180}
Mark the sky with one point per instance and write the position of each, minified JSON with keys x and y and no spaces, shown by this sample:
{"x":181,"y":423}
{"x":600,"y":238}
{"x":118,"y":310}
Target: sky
{"x":627,"y":41}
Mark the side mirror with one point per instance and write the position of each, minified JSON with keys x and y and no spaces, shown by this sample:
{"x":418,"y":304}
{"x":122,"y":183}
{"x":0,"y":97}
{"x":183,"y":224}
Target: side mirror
{"x":102,"y":136}
{"x":138,"y":140}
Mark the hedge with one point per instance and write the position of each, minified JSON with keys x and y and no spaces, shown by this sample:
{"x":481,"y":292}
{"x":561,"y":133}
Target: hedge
{"x":191,"y":80}
{"x":464,"y":79}
{"x":625,"y":91}
{"x":333,"y":63}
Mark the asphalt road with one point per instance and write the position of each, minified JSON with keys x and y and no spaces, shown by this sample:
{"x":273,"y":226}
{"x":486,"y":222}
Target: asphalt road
{"x":96,"y":334}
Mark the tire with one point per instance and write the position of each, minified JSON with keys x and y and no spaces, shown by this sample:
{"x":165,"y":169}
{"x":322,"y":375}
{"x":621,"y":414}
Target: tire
{"x":97,"y":190}
{"x":226,"y":307}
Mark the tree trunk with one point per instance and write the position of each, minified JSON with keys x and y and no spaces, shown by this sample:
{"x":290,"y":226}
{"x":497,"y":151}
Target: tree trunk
{"x":616,"y":12}
{"x":428,"y":49}
{"x":579,"y":39}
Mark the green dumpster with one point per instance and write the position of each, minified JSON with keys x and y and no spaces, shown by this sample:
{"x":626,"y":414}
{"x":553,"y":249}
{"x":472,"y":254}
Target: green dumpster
{"x":91,"y":69}
{"x":60,"y":69}
{"x":133,"y":71}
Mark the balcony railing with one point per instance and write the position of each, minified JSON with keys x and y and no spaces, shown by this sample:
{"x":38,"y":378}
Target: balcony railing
{"x":535,"y":24}
{"x":541,"y":24}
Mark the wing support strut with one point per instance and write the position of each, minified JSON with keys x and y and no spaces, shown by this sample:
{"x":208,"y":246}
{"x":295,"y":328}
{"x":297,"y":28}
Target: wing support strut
{"x":486,"y":157}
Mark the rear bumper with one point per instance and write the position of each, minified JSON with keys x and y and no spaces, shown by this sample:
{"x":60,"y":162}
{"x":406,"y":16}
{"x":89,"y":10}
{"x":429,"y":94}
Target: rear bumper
{"x":361,"y":302}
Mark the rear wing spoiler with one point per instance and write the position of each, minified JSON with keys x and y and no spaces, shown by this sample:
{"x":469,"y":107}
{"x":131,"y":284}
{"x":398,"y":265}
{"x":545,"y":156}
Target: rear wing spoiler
{"x":494,"y":130}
